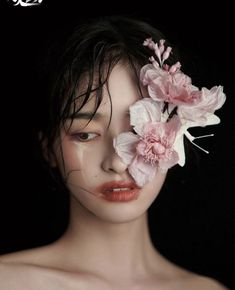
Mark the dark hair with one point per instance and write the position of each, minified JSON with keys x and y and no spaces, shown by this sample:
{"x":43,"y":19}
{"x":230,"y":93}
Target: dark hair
{"x":91,"y":51}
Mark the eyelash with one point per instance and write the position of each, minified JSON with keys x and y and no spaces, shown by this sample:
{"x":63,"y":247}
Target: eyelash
{"x":77,"y":136}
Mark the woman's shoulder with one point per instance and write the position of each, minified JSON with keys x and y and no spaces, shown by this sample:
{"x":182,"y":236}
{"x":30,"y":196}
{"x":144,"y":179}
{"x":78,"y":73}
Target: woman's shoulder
{"x":195,"y":282}
{"x":25,"y":270}
{"x":29,"y":256}
{"x":18,"y":276}
{"x":18,"y":257}
{"x":33,"y":269}
{"x":184,"y":279}
{"x":181,"y":278}
{"x":36,"y":269}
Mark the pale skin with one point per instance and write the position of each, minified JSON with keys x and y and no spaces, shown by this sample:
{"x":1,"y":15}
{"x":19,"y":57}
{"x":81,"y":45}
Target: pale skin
{"x":107,"y":244}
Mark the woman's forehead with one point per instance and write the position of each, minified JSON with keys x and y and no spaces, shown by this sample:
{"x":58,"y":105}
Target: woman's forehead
{"x":111,"y":101}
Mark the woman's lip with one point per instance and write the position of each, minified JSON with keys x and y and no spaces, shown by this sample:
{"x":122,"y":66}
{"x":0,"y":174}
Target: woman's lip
{"x":109,"y":186}
{"x":129,"y":192}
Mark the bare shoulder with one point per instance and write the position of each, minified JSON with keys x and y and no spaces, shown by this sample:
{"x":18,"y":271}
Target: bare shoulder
{"x":18,"y":276}
{"x":39,"y":256}
{"x":32,"y":269}
{"x":15,"y":270}
{"x":24,"y":270}
{"x":203,"y":283}
{"x":35,"y":269}
{"x":24,"y":256}
{"x":182,"y":278}
{"x":14,"y":276}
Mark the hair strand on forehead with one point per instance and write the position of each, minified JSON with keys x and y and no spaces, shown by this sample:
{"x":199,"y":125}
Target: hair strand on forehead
{"x":82,"y":64}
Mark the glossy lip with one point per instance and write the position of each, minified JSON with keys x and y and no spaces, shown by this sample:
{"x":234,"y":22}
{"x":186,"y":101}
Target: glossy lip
{"x":107,"y":192}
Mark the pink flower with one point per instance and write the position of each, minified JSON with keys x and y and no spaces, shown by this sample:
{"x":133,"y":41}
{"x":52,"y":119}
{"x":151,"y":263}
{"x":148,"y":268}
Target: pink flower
{"x":125,"y":145}
{"x":159,"y":140}
{"x":170,"y":85}
{"x":156,"y":144}
{"x":152,"y":148}
{"x":143,"y":112}
{"x":202,"y":113}
{"x":150,"y":72}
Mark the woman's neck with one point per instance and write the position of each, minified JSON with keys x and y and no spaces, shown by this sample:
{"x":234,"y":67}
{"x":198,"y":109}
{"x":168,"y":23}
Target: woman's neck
{"x":114,"y":249}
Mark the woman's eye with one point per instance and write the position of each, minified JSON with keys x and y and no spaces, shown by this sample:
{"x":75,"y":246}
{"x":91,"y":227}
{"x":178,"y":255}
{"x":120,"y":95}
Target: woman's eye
{"x":84,"y":137}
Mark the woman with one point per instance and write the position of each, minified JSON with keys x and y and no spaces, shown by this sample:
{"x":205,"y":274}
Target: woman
{"x":116,"y":117}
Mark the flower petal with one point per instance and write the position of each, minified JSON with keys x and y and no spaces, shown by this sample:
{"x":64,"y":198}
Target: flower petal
{"x":141,"y":171}
{"x":179,"y":146}
{"x":166,"y":163}
{"x":148,"y":73}
{"x":143,"y":112}
{"x":202,"y":113}
{"x":125,"y":144}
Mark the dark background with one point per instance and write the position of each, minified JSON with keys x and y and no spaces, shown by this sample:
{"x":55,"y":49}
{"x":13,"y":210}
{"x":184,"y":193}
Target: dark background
{"x":192,"y":220}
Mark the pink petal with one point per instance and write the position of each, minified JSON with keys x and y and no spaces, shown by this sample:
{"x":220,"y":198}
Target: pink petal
{"x":149,"y":72}
{"x":213,"y":99}
{"x":179,"y":146}
{"x":124,"y":145}
{"x":141,"y":171}
{"x":157,"y":92}
{"x":166,"y":163}
{"x":143,"y":112}
{"x":201,"y":113}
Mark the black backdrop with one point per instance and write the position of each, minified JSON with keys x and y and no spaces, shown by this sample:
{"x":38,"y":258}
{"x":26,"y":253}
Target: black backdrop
{"x":192,"y":220}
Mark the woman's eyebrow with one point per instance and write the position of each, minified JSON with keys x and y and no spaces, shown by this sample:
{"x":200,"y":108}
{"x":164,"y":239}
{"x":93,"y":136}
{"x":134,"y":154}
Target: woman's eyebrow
{"x":89,"y":115}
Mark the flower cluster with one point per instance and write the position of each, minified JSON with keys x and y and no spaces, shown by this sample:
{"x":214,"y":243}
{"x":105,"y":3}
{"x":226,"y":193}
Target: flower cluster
{"x":161,"y":120}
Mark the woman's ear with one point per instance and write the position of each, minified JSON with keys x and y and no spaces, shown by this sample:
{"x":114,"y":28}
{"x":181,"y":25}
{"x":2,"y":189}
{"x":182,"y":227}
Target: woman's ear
{"x":48,"y":154}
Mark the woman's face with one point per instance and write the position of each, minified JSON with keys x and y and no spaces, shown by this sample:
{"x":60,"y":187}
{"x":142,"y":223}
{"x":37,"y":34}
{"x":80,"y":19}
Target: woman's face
{"x":95,"y":175}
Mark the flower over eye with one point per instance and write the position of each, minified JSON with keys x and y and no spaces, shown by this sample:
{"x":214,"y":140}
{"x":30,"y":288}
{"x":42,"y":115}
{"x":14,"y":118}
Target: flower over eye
{"x":152,"y":146}
{"x":85,"y":136}
{"x":161,"y":120}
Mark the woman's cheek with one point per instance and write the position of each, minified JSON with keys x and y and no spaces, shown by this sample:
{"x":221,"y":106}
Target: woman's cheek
{"x":80,"y":162}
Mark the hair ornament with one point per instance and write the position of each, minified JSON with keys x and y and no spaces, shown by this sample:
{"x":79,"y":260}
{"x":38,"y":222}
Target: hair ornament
{"x":161,"y":121}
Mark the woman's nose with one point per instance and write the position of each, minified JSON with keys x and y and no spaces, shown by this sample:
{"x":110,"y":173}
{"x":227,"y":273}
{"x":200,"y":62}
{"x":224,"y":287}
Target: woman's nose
{"x":113,"y":163}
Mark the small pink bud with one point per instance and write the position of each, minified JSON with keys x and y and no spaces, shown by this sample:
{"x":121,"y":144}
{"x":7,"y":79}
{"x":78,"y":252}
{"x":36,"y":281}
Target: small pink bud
{"x":161,"y":46}
{"x":175,"y":67}
{"x":166,"y":53}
